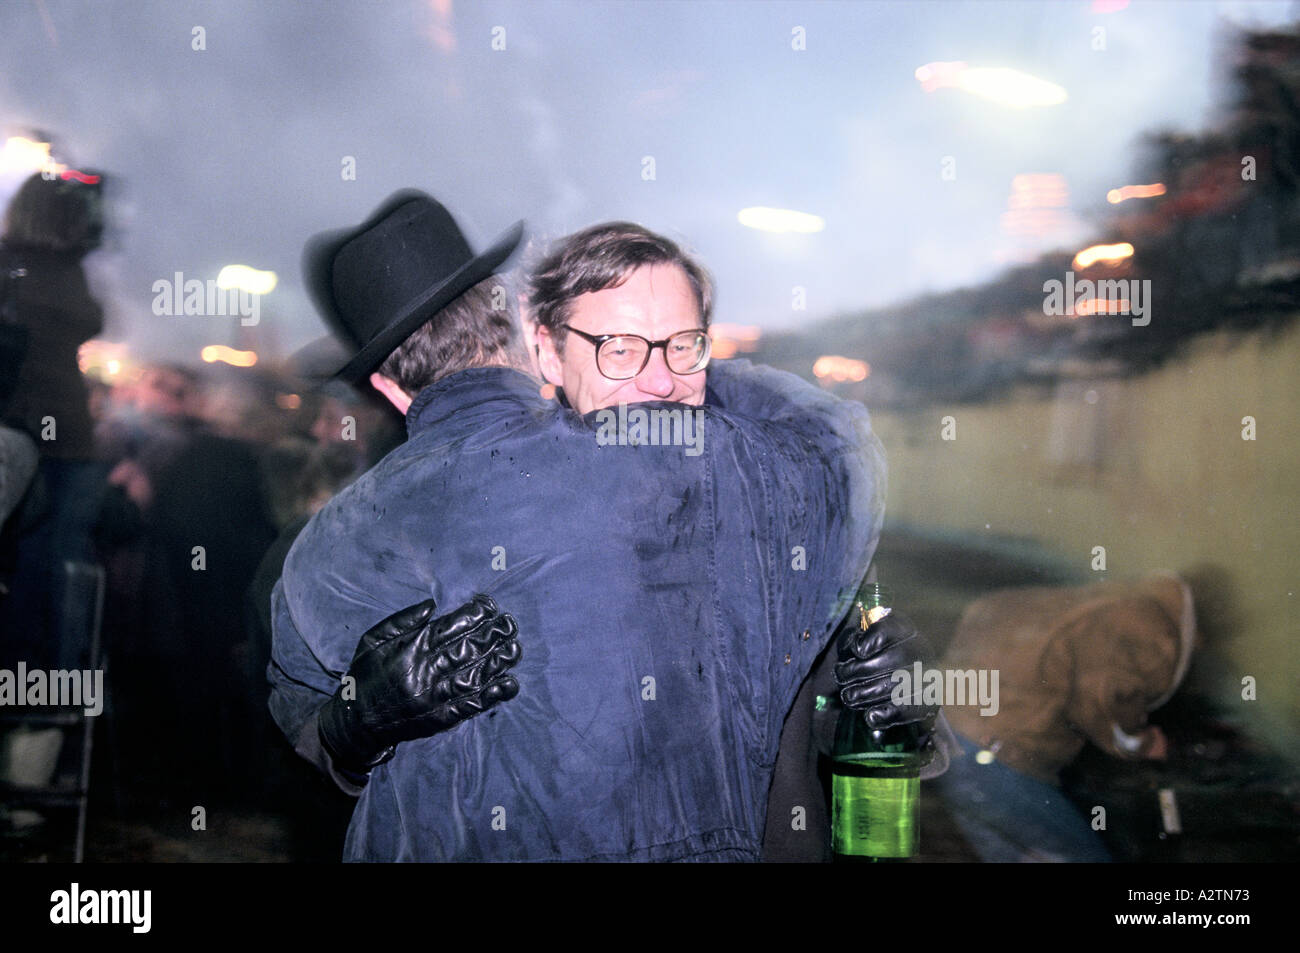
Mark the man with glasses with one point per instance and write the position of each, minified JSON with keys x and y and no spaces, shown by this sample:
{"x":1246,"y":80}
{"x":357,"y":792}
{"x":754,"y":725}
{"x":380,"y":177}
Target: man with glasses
{"x":666,"y":606}
{"x":643,"y":308}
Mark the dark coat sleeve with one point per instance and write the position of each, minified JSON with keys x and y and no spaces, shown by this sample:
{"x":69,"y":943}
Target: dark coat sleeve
{"x":792,"y":835}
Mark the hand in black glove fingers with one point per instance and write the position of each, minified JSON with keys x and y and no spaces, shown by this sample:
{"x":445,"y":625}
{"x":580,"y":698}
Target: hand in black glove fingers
{"x":416,"y":675}
{"x":467,"y":705}
{"x":888,"y":644}
{"x":867,"y":662}
{"x":463,"y":636}
{"x":474,"y":682}
{"x":888,"y":715}
{"x":454,"y":645}
{"x":505,"y":650}
{"x":399,"y":623}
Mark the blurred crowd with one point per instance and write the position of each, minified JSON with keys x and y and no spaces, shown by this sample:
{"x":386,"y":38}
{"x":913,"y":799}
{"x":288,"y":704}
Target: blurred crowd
{"x":202,"y":474}
{"x":177,"y":480}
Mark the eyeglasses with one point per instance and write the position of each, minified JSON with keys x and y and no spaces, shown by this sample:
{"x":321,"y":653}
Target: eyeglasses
{"x":621,"y":357}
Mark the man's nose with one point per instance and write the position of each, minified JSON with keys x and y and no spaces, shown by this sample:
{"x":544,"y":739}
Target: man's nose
{"x":656,"y":379}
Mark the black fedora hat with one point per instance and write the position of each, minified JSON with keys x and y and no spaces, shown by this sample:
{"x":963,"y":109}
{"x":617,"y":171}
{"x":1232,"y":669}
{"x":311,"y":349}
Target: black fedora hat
{"x":374,"y":284}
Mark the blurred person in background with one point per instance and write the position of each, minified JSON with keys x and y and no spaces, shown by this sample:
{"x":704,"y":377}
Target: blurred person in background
{"x":299,"y":476}
{"x":18,"y":454}
{"x":358,"y":418}
{"x":46,"y":313}
{"x":188,"y":522}
{"x":342,"y":431}
{"x":51,"y":224}
{"x":244,"y":404}
{"x":18,"y":460}
{"x":1076,"y":664}
{"x":147,"y":421}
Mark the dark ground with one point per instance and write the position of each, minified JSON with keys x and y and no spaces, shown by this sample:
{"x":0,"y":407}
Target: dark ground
{"x":1237,"y":801}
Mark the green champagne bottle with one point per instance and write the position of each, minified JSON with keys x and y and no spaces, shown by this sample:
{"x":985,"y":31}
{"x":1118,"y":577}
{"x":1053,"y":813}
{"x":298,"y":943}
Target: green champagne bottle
{"x":875,"y":774}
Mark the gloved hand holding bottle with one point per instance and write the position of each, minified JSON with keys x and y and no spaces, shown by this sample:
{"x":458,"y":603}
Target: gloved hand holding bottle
{"x":870,"y":653}
{"x":881,"y":742}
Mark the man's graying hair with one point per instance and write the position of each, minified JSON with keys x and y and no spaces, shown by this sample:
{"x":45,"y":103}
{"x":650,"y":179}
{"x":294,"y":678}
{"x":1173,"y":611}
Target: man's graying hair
{"x":602,"y":257}
{"x":478,"y":329}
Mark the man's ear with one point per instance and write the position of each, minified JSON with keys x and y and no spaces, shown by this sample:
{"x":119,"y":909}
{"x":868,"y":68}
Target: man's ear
{"x":547,"y":357}
{"x":529,"y":328}
{"x":389,"y":388}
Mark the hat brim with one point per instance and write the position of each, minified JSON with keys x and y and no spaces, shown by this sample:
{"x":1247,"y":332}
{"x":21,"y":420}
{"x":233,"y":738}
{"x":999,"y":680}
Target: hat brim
{"x":338,"y":357}
{"x":430,"y":303}
{"x":320,"y":360}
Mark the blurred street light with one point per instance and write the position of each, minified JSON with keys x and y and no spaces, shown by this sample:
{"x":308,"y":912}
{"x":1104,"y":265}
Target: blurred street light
{"x":247,"y":279}
{"x":105,"y":359}
{"x":779,"y":220}
{"x":1037,"y":206}
{"x":839,"y":368}
{"x":1107,"y":253}
{"x":729,"y":338}
{"x":228,"y":355}
{"x":1115,"y":196}
{"x":23,"y":155}
{"x":1006,"y":87}
{"x":1090,"y":306}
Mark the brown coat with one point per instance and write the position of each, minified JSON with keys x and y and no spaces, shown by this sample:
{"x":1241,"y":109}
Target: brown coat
{"x":1074,"y":664}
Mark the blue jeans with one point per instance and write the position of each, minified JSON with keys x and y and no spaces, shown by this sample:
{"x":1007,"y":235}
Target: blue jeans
{"x":33,"y":627}
{"x":1009,"y":817}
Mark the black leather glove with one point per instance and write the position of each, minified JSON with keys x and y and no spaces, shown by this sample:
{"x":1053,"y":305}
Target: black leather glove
{"x":416,"y":676}
{"x":867,"y":661}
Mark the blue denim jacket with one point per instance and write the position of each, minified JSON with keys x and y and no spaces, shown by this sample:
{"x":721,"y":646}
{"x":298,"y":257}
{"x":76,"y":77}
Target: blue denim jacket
{"x":669,"y":605}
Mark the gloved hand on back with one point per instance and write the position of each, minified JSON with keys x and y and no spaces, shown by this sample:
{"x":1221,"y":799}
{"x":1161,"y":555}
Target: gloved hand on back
{"x":415,"y":675}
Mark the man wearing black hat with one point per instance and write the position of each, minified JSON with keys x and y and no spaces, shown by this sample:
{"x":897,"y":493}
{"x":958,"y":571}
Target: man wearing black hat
{"x":380,"y":316}
{"x":668,"y":604}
